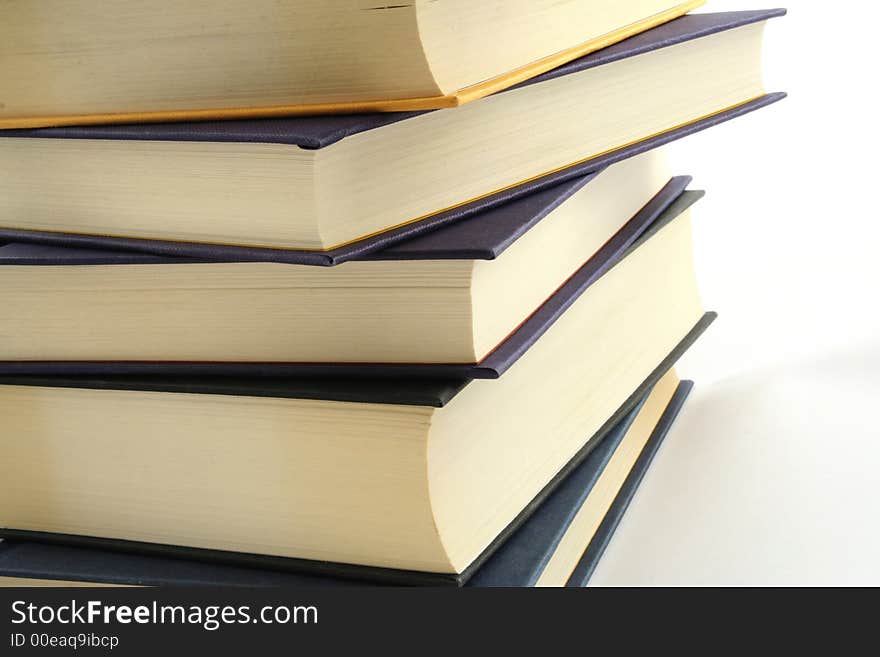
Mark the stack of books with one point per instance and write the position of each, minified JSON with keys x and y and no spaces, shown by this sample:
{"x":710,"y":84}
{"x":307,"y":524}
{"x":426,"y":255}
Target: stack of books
{"x":330,"y":293}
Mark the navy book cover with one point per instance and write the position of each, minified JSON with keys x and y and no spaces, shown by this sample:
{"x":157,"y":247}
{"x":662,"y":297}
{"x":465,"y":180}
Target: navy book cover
{"x":519,"y":561}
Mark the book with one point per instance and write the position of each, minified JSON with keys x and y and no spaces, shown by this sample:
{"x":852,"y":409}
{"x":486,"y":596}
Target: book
{"x":432,"y":306}
{"x":319,"y":183}
{"x":65,"y":63}
{"x":383,"y":241}
{"x":414,"y":474}
{"x":547,"y":549}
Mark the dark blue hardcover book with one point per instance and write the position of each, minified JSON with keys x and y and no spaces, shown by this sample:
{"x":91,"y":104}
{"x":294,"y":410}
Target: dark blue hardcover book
{"x":316,"y":133}
{"x":518,"y":561}
{"x":487,"y":237}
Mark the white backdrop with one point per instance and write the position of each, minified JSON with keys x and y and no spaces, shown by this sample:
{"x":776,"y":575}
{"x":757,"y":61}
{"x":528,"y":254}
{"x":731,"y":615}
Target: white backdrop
{"x":772,"y":473}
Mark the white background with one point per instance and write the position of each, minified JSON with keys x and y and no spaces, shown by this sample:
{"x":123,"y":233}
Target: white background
{"x":772,"y":473}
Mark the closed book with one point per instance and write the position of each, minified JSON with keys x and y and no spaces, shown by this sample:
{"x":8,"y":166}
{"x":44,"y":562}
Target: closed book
{"x":466,"y":301}
{"x":546,"y":549}
{"x":64,"y":63}
{"x":330,"y":184}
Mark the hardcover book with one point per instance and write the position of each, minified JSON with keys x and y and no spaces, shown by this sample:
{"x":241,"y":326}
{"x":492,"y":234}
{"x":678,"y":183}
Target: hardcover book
{"x":390,"y":462}
{"x":429,"y":307}
{"x":323,"y":183}
{"x":64,"y":63}
{"x":547,"y":549}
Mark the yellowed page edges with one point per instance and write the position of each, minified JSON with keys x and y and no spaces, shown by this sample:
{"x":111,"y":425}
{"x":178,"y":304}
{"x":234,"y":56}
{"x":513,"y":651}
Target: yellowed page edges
{"x":469,"y":201}
{"x":401,"y":105}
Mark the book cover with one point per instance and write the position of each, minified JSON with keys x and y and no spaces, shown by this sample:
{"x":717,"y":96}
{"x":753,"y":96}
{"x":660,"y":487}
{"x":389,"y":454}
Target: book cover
{"x":665,"y":207}
{"x":517,"y":562}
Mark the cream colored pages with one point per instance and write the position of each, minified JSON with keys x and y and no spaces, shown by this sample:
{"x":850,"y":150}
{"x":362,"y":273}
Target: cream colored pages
{"x":158,"y":60}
